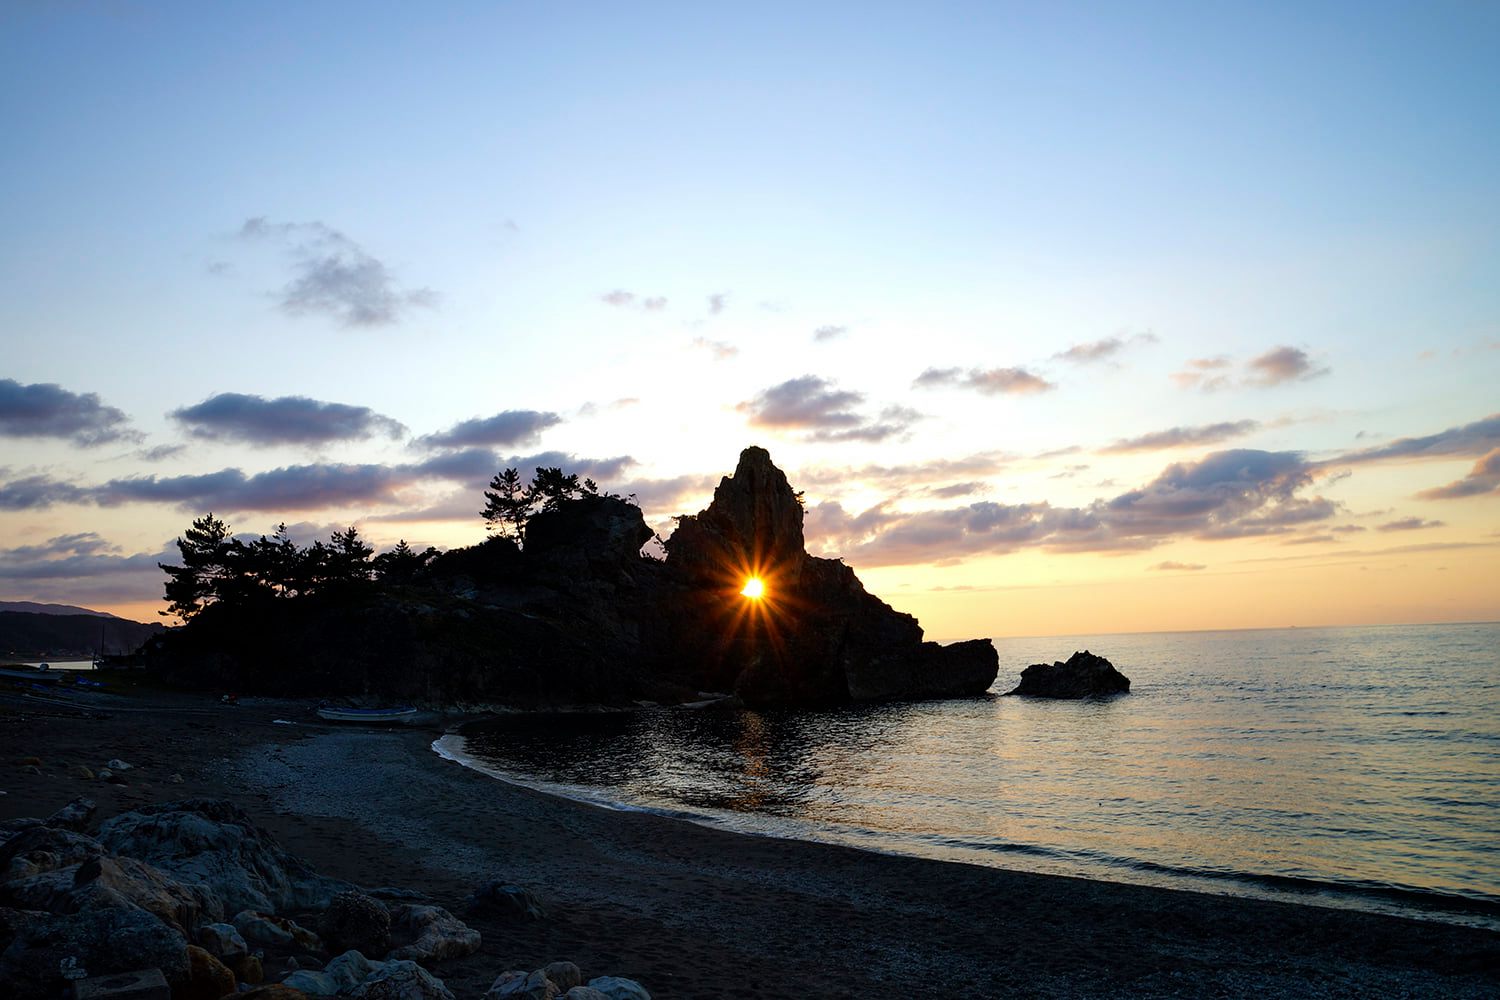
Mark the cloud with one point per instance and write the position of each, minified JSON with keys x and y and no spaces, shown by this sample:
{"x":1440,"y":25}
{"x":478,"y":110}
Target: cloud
{"x":1283,"y":364}
{"x":721,"y":350}
{"x":83,"y":567}
{"x":234,"y":416}
{"x":826,"y":333}
{"x":506,"y":429}
{"x":814,"y":405}
{"x":160,"y":452}
{"x":1275,"y":367}
{"x":988,"y":381}
{"x":1171,"y":565}
{"x":622,"y":299}
{"x":1483,"y":478}
{"x":1228,"y":494}
{"x":1408,"y":524}
{"x":1102,"y":350}
{"x":38,"y":493}
{"x":917,"y":475}
{"x":333,"y":275}
{"x":47,"y":410}
{"x":717,"y":303}
{"x":1470,"y":440}
{"x":1182,"y":437}
{"x":1196,"y":374}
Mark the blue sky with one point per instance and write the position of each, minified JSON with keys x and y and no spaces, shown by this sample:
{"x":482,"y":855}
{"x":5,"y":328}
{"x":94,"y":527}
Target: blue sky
{"x":636,"y":218}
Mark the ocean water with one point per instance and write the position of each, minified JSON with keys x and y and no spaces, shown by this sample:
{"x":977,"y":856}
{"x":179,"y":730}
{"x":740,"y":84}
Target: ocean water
{"x":1340,"y":766}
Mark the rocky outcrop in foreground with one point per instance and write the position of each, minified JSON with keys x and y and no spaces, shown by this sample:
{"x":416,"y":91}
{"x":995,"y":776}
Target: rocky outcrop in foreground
{"x":184,"y":896}
{"x":1084,"y":675}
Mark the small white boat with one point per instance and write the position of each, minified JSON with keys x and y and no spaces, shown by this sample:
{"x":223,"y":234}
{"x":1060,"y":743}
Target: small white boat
{"x":334,"y":713}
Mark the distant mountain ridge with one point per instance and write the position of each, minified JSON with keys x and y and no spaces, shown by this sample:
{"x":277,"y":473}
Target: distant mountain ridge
{"x":56,"y":635}
{"x":32,"y":607}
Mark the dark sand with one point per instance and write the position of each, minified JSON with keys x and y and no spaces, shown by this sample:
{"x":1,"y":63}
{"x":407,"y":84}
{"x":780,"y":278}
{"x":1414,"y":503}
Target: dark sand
{"x":696,"y":912}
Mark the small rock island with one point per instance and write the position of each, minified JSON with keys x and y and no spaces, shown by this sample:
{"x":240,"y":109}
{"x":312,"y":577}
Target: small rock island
{"x":577,"y":614}
{"x":1084,"y":675}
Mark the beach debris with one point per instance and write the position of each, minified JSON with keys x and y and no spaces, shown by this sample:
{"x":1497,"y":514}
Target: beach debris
{"x":175,"y":779}
{"x":222,"y":941}
{"x":31,"y":769}
{"x":429,"y":934}
{"x":518,"y":985}
{"x":73,"y":816}
{"x":340,"y":975}
{"x":208,"y":978}
{"x":143,"y":984}
{"x":214,"y":842}
{"x":564,"y":975}
{"x":80,"y":772}
{"x":1084,"y":675}
{"x":356,"y":921}
{"x":619,"y":988}
{"x":282,"y":722}
{"x":401,"y":980}
{"x":116,"y":764}
{"x":503,"y":899}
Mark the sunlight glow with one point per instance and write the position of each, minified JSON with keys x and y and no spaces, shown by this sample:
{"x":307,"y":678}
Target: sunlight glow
{"x":755,"y":588}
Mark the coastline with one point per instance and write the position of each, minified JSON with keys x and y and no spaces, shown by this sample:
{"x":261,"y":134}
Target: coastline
{"x":695,"y":910}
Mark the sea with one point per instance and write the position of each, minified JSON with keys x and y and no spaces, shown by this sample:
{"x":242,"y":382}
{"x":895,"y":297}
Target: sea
{"x":1350,"y":767}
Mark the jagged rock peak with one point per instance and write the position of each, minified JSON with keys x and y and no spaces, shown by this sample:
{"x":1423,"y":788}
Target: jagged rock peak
{"x":754,"y":522}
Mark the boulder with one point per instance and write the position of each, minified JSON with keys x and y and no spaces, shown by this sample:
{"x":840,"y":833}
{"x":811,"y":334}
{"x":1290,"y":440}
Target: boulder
{"x":39,"y":849}
{"x":208,"y":978}
{"x":429,"y":934}
{"x":222,"y":941}
{"x":277,"y":932}
{"x":92,"y":942}
{"x":1084,"y":675}
{"x":517,"y":985}
{"x":504,"y":900}
{"x":272,"y":991}
{"x":401,"y":980}
{"x":585,"y":993}
{"x":618,"y":988}
{"x":340,"y":975}
{"x":356,"y":921}
{"x":246,"y":968}
{"x":564,"y":975}
{"x":80,"y":772}
{"x":595,"y":536}
{"x":927,"y":671}
{"x":103,"y":882}
{"x":116,"y":764}
{"x":214,"y":842}
{"x":73,"y":816}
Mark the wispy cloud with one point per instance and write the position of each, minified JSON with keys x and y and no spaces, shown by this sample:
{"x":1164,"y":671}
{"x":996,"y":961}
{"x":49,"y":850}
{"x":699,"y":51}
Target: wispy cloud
{"x":1170,"y":565}
{"x":1277,"y":366}
{"x":717,"y":303}
{"x":507,"y":429}
{"x":47,"y":410}
{"x":1482,"y":479}
{"x":1103,"y":350}
{"x":1408,"y":524}
{"x":987,"y":381}
{"x":1182,"y":437}
{"x":335,"y":276}
{"x":823,"y":412}
{"x":823,"y":334}
{"x":1228,"y":494}
{"x":1469,"y":440}
{"x":621,"y":299}
{"x":234,"y":416}
{"x":720,"y":349}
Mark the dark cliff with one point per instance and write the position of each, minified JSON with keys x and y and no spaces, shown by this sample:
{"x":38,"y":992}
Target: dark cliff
{"x":579,"y":615}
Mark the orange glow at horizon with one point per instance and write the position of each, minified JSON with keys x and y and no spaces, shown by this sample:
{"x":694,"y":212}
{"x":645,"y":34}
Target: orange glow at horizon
{"x":755,"y":588}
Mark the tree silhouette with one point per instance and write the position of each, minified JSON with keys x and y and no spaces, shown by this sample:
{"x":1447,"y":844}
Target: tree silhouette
{"x":208,"y":571}
{"x":507,"y":505}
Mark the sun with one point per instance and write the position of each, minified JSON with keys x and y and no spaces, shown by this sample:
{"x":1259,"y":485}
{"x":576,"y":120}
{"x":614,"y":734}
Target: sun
{"x":755,"y":588}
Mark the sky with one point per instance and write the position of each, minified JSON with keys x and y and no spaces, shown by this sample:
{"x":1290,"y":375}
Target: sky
{"x":1068,"y":318}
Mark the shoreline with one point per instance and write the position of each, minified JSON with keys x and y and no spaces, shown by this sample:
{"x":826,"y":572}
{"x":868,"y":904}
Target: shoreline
{"x":692,"y":910}
{"x":1411,"y":903}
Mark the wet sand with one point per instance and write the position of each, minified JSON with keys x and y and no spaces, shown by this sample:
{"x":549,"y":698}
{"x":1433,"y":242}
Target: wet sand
{"x":696,"y":912}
